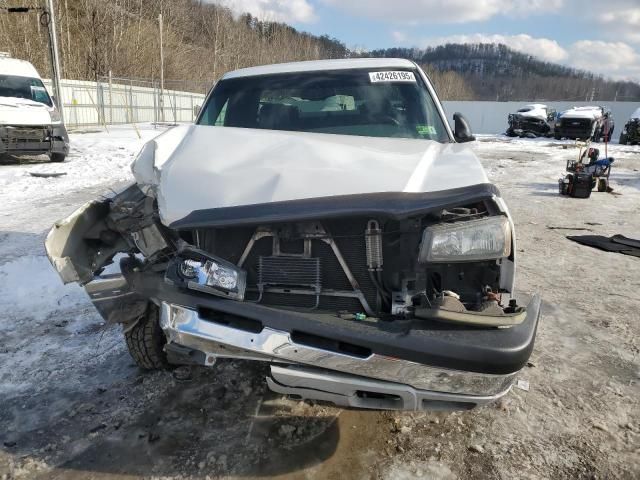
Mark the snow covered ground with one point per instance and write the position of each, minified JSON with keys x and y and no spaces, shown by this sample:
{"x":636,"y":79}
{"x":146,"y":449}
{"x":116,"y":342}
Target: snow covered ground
{"x":72,"y":401}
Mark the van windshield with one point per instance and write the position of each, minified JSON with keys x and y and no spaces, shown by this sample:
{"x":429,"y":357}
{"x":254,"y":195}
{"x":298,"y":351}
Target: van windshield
{"x":14,"y":86}
{"x":375,"y":103}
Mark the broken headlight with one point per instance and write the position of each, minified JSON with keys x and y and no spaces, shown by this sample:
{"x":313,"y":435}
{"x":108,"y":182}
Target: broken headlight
{"x":482,"y":239}
{"x":209,"y":274}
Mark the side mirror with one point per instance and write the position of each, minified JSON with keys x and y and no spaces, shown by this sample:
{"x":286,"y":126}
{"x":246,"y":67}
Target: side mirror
{"x":462,"y":130}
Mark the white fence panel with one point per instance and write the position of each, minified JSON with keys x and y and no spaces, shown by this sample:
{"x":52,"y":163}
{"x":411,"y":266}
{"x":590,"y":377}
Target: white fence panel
{"x":97,"y":103}
{"x":491,"y":117}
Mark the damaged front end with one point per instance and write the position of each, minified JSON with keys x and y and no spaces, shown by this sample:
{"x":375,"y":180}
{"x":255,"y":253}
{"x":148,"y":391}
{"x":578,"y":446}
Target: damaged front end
{"x":402,"y":301}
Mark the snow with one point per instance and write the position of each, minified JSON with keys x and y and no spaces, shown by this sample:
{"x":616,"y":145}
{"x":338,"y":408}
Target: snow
{"x":96,"y":159}
{"x":591,"y":112}
{"x":32,"y":295}
{"x":534,"y":110}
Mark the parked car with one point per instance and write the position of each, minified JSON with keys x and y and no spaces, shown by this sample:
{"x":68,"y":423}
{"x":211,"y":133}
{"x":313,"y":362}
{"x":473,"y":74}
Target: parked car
{"x":29,"y":121}
{"x":532,"y":120}
{"x":631,"y":131}
{"x":324,"y":218}
{"x":585,"y":123}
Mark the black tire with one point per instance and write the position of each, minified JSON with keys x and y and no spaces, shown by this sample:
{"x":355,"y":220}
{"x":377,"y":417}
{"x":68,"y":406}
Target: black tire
{"x":623,"y":139}
{"x":146,"y":341}
{"x":57,"y":157}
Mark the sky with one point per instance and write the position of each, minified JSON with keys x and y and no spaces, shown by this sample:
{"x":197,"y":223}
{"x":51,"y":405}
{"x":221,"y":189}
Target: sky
{"x":595,"y":35}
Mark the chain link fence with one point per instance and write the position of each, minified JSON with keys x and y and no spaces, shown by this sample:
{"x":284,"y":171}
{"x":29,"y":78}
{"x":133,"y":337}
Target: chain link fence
{"x":115,"y":100}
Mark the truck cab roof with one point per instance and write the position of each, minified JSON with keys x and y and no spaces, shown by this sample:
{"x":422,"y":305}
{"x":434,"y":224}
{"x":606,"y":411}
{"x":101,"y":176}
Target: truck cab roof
{"x":18,"y":68}
{"x":321,"y":65}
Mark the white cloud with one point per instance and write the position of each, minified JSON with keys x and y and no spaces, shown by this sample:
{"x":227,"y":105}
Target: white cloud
{"x":399,"y":37}
{"x":543,"y":48}
{"x":624,"y":22}
{"x":616,"y":60}
{"x":611,"y":59}
{"x":452,"y":11}
{"x":287,"y":11}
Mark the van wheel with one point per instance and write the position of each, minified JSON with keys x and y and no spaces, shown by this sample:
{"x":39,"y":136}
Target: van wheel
{"x":146,"y":341}
{"x":57,"y":157}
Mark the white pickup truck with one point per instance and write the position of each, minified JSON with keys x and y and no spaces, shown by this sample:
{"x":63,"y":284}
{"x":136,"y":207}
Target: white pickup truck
{"x":324,"y":218}
{"x":29,"y":121}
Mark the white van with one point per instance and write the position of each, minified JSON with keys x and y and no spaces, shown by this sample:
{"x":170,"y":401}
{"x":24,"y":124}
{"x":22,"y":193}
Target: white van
{"x":29,"y":120}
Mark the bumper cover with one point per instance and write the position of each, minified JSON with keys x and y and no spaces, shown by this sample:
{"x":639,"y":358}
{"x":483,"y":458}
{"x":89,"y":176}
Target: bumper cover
{"x":186,"y":327}
{"x":20,"y":140}
{"x":349,"y":391}
{"x":481,"y":350}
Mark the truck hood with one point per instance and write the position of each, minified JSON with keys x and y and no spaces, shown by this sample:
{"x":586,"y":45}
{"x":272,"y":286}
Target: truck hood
{"x":203,"y":167}
{"x":22,"y":111}
{"x":583,"y":112}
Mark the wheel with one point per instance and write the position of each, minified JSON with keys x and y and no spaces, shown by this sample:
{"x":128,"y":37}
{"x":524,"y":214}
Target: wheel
{"x":57,"y":157}
{"x":146,"y":341}
{"x":623,"y":139}
{"x":602,"y":185}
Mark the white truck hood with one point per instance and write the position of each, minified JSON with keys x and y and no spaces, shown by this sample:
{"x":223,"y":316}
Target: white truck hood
{"x":22,"y":111}
{"x":583,"y":112}
{"x":202,"y":167}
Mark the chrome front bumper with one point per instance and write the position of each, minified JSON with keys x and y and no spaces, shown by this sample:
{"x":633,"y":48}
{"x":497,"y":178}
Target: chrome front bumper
{"x":326,"y":375}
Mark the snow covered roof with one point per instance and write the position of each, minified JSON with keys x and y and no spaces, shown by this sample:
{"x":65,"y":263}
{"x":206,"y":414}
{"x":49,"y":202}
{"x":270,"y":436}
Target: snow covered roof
{"x":317,"y":65}
{"x":19,"y":68}
{"x":535,"y":110}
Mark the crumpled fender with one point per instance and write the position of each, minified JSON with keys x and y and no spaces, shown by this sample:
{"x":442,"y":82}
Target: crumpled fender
{"x":68,"y":249}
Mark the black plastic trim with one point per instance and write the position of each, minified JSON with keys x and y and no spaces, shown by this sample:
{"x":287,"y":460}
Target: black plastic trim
{"x":390,"y":204}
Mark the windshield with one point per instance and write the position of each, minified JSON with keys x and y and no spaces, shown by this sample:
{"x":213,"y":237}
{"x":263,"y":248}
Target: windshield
{"x":347,"y":102}
{"x":24,"y":87}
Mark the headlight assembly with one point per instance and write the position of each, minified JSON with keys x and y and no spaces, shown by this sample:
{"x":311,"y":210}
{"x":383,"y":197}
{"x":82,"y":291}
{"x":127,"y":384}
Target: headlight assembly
{"x":209,"y":274}
{"x":481,"y":239}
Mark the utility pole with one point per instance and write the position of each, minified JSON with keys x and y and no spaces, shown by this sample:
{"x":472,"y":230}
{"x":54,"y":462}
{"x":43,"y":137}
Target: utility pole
{"x":55,"y":62}
{"x":161,"y":71}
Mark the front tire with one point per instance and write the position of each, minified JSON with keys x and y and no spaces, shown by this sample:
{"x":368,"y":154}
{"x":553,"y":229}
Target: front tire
{"x":57,"y":157}
{"x":146,"y":341}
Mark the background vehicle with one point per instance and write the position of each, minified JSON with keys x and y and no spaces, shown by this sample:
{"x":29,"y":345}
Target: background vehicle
{"x":338,"y":230}
{"x":535,"y":119}
{"x":631,"y":131}
{"x":29,"y":121}
{"x":585,"y":123}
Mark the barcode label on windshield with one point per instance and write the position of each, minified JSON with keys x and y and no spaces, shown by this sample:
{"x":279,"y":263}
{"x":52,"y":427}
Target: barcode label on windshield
{"x":395,"y":76}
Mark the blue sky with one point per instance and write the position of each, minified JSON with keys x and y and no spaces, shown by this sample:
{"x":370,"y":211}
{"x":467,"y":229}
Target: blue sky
{"x":597,"y":35}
